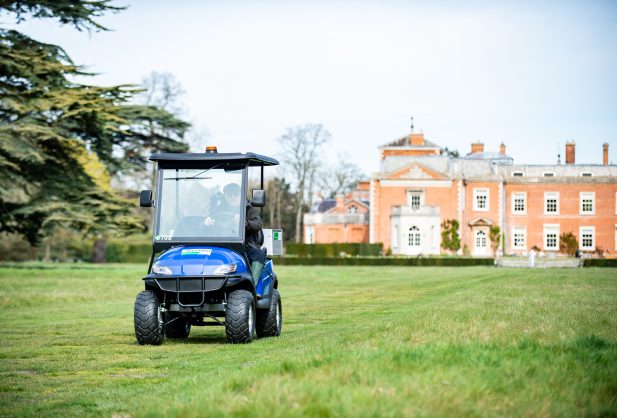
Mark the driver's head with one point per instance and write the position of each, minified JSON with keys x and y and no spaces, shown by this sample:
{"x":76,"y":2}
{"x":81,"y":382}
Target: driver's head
{"x":232,"y":194}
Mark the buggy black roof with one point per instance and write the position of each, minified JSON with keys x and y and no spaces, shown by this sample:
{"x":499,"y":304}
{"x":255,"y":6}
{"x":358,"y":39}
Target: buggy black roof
{"x":214,"y":157}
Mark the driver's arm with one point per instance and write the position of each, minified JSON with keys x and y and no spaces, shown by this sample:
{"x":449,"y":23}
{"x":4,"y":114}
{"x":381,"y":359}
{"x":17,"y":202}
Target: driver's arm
{"x":253,"y":221}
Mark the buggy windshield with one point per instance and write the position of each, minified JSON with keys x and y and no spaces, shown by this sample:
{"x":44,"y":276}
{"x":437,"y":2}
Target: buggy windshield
{"x":199,"y":204}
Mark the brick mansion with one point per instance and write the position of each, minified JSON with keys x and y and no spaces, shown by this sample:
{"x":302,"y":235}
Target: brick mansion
{"x":419,"y":186}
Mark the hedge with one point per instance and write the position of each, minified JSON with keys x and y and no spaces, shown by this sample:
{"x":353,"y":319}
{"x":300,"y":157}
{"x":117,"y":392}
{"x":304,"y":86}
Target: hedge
{"x":333,"y":250}
{"x":129,"y":250}
{"x":382,"y":261}
{"x":600,"y":262}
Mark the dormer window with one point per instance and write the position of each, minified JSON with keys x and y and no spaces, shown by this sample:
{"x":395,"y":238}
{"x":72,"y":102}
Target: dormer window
{"x":352,"y":209}
{"x":548,"y":174}
{"x":518,"y":174}
{"x":586,"y":174}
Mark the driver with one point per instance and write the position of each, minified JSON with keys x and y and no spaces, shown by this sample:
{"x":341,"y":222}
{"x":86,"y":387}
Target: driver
{"x":253,"y":225}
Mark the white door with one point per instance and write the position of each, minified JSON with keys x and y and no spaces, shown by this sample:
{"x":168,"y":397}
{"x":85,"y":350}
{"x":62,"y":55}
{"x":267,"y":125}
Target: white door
{"x":481,"y":243}
{"x":414,"y":241}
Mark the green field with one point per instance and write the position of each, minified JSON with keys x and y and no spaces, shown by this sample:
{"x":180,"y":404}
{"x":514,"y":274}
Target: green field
{"x":357,"y":341}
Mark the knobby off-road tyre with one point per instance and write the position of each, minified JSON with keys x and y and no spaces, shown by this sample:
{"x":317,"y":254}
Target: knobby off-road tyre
{"x":148,"y":320}
{"x":240,"y":317}
{"x":270,"y":322}
{"x":179,"y":327}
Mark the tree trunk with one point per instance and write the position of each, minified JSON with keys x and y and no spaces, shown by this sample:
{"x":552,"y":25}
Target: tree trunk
{"x":99,"y":251}
{"x":298,"y":223}
{"x":47,"y":256}
{"x":279,"y":223}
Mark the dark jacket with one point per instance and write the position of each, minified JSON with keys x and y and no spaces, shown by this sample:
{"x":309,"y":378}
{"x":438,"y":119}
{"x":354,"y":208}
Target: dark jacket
{"x":253,"y":226}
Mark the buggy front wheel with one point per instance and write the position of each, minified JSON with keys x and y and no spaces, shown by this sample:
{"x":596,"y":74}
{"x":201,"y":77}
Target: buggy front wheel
{"x":148,"y":320}
{"x":240,"y":317}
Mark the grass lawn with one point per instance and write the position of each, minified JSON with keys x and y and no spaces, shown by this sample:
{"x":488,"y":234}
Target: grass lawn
{"x":357,"y":341}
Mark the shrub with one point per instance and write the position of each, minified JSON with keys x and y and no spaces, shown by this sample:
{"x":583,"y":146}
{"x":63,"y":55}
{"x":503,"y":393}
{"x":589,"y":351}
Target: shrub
{"x":568,"y":244}
{"x":494,"y":235}
{"x":14,"y":247}
{"x":132,"y":249}
{"x":600,"y":262}
{"x":449,"y":235}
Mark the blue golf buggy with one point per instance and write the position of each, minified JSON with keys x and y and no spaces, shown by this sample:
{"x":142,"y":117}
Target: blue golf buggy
{"x":199,"y":272}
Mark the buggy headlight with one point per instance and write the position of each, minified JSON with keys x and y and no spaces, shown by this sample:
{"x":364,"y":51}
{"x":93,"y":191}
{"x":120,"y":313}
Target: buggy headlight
{"x":225,"y":269}
{"x":162,"y":270}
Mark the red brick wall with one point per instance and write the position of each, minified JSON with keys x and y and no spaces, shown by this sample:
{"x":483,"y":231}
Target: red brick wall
{"x":351,"y":233}
{"x":388,"y":197}
{"x":569,"y":217}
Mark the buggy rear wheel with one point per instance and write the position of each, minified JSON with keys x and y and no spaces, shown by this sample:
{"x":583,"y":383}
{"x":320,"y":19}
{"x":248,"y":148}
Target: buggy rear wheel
{"x":270,"y":322}
{"x":240,"y":317}
{"x":177,"y":326}
{"x":148,"y":320}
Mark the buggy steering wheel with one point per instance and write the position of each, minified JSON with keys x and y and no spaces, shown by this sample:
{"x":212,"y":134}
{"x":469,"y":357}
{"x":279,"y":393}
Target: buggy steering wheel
{"x":226,"y":221}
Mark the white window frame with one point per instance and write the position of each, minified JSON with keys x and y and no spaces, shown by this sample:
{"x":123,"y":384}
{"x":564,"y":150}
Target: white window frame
{"x":587,"y":196}
{"x":550,"y":229}
{"x":548,"y":174}
{"x":353,"y":209}
{"x":522,"y":231}
{"x":414,"y":193}
{"x":518,"y":173}
{"x":514,"y":196}
{"x":586,"y":230}
{"x":550,"y":195}
{"x":479,"y":192}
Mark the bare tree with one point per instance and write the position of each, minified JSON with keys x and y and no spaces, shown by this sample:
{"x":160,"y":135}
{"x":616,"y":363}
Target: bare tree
{"x":301,"y":145}
{"x":161,"y":90}
{"x":164,"y":91}
{"x":340,"y":178}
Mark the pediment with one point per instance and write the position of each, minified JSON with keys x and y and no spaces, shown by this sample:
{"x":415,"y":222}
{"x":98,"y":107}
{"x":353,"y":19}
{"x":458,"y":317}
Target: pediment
{"x":346,"y":206}
{"x":417,"y":171}
{"x":480,"y":222}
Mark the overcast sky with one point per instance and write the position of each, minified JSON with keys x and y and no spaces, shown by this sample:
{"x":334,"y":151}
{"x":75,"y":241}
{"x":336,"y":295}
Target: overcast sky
{"x":531,"y":74}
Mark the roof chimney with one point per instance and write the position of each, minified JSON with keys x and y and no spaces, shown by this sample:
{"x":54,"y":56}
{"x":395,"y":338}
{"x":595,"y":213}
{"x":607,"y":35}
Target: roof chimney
{"x":605,"y":153}
{"x":477,"y":147}
{"x":416,"y":140}
{"x":570,"y":154}
{"x":502,"y":149}
{"x":340,"y":200}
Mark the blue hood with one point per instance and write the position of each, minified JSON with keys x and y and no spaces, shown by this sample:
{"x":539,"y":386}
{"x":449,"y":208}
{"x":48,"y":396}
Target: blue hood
{"x":199,"y":260}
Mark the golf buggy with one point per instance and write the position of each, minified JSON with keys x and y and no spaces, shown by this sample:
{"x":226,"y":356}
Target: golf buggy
{"x":199,"y":272}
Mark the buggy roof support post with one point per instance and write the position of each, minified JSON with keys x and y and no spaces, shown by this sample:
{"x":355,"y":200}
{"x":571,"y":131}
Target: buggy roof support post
{"x":151,"y":262}
{"x":262,"y":177}
{"x":262,"y":187}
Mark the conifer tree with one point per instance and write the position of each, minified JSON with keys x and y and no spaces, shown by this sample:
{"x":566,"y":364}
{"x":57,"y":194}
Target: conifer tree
{"x":59,"y":140}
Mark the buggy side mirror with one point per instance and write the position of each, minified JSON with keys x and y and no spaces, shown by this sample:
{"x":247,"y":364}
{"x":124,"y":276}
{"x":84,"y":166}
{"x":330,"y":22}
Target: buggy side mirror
{"x":259,"y":198}
{"x":145,"y":199}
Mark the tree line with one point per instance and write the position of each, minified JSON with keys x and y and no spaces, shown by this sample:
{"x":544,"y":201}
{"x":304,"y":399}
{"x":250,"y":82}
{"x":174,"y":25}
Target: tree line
{"x":68,"y":149}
